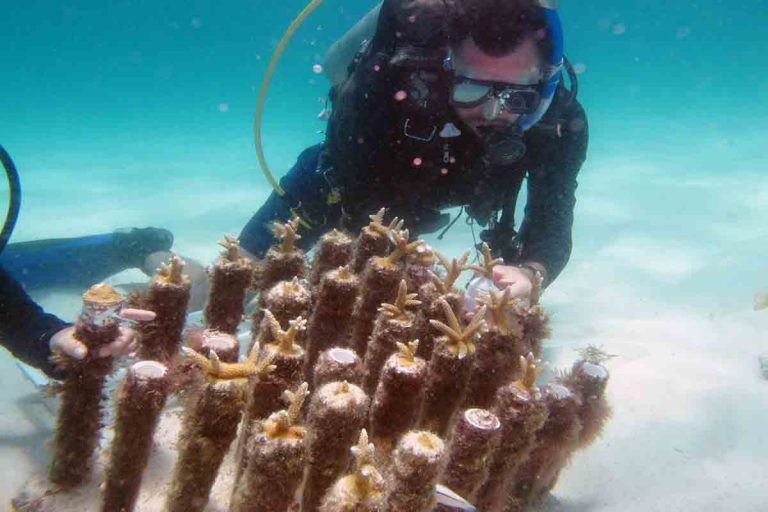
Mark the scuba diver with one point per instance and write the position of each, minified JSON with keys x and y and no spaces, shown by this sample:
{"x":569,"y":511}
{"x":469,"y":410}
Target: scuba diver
{"x":446,"y":103}
{"x":26,"y":330}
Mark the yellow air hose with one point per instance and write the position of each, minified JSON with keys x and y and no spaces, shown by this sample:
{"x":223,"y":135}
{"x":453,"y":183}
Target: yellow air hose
{"x":295,"y":24}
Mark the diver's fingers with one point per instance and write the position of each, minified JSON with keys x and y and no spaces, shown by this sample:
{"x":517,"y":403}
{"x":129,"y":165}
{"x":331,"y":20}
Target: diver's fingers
{"x":521,"y":290}
{"x":139,"y":315}
{"x":505,"y":275}
{"x":64,"y":341}
{"x":124,"y":344}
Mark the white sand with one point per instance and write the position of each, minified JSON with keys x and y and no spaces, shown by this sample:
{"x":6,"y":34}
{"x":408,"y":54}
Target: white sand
{"x":667,"y":257}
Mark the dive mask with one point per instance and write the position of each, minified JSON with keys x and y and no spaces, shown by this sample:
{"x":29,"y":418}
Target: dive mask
{"x":515,"y":99}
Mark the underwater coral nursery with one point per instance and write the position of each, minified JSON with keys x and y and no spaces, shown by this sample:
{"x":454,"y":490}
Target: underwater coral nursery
{"x":370,"y":384}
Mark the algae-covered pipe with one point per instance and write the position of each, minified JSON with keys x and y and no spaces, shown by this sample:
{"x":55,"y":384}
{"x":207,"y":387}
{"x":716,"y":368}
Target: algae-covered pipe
{"x":394,"y":324}
{"x":140,"y":401}
{"x":364,"y":490}
{"x":473,"y":439}
{"x":449,"y":369}
{"x":337,"y":412}
{"x":276,"y":458}
{"x":371,"y":241}
{"x":265,"y":392}
{"x":335,"y":249}
{"x":522,"y":413}
{"x":82,"y":390}
{"x":418,"y":462}
{"x":555,"y":442}
{"x":168,"y":296}
{"x":208,"y":428}
{"x":380,"y":283}
{"x":398,"y":398}
{"x":286,"y":300}
{"x":231,"y":276}
{"x":329,"y":323}
{"x":338,"y":364}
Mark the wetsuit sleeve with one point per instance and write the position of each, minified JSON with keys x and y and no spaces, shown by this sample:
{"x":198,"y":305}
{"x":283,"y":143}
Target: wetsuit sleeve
{"x":307,"y":186}
{"x":545,"y":235}
{"x":25,"y":329}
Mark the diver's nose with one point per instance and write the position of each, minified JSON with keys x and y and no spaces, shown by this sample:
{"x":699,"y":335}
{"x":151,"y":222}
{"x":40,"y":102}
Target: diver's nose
{"x":492,"y":109}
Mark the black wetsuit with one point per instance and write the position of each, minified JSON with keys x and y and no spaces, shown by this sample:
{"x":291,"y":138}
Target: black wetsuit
{"x":25,"y":329}
{"x":416,"y":157}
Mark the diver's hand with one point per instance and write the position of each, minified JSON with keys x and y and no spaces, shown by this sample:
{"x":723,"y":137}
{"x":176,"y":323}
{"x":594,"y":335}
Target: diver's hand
{"x":125,"y":343}
{"x":519,"y":280}
{"x":198,"y":276}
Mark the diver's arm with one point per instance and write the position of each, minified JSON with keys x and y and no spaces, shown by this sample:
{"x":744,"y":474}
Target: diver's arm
{"x":546,"y":230}
{"x":341,"y":53}
{"x":307,"y":196}
{"x":25,"y":329}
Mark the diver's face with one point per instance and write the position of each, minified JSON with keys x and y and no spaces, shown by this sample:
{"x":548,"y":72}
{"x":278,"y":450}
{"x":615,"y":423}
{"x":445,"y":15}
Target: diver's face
{"x":521,"y":67}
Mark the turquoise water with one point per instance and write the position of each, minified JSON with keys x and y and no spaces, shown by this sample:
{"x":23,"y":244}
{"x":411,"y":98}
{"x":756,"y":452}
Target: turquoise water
{"x":140,"y":113}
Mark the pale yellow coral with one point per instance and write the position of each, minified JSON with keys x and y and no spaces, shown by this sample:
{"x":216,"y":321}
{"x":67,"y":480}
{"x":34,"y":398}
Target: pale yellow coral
{"x":398,"y":311}
{"x":531,"y":369}
{"x":231,"y":247}
{"x":461,"y":341}
{"x":288,"y":234}
{"x":503,"y":309}
{"x":172,"y":273}
{"x":399,"y":239}
{"x":407,"y":353}
{"x":283,"y":424}
{"x":285,"y":340}
{"x":453,"y":270}
{"x":486,"y":269}
{"x":215,"y":370}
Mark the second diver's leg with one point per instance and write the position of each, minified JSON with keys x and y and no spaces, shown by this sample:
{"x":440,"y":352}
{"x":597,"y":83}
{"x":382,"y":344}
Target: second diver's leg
{"x":82,"y":261}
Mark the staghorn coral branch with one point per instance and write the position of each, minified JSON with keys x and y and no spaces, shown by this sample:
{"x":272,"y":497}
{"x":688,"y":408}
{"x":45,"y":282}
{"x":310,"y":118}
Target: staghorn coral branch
{"x":288,"y":233}
{"x":284,"y":340}
{"x":486,"y":269}
{"x":501,"y":305}
{"x":453,"y":269}
{"x":398,"y":311}
{"x":231,"y":246}
{"x":407,"y":352}
{"x":402,"y":248}
{"x":461,"y":341}
{"x":345,"y":273}
{"x":363,"y":452}
{"x":171,"y":274}
{"x":283,"y":423}
{"x":377,"y":219}
{"x":215,"y":370}
{"x":531,"y":368}
{"x":296,"y":400}
{"x":261,"y":358}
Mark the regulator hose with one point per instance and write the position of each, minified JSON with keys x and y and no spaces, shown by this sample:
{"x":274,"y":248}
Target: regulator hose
{"x":14,"y":197}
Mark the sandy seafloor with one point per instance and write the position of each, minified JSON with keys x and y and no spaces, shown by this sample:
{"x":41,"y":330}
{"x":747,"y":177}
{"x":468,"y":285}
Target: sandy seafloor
{"x":126,"y":116}
{"x":669,"y":250}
